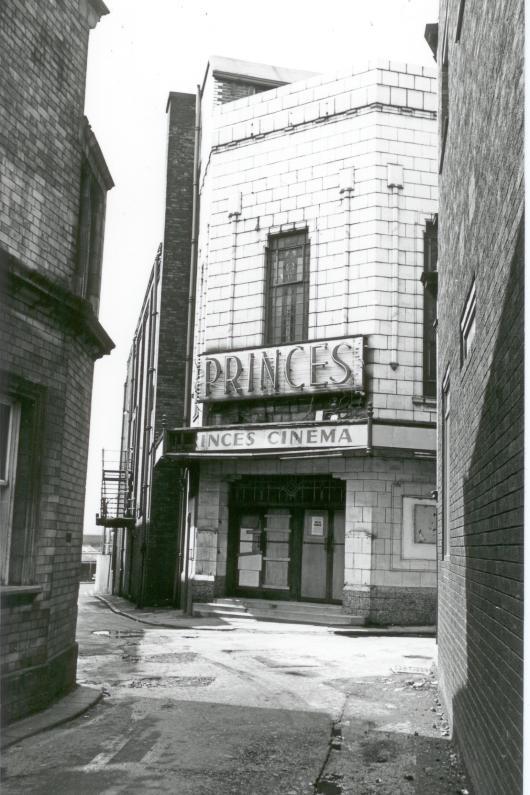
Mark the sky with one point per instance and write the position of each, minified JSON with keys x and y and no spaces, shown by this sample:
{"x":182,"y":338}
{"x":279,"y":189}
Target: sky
{"x":138,"y":54}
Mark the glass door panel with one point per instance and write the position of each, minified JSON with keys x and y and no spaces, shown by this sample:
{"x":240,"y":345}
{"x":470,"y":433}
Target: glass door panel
{"x":338,"y":555}
{"x":315,"y":555}
{"x":276,"y":560}
{"x":250,"y":558}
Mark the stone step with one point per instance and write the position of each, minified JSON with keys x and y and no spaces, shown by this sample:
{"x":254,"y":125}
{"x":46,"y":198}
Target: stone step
{"x":275,"y":604}
{"x":286,"y":612}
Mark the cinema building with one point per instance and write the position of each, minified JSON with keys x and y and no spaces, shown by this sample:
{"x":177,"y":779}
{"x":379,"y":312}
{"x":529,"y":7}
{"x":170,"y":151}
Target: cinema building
{"x":305,"y":445}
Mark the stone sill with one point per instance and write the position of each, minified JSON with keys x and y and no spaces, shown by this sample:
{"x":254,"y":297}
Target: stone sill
{"x":11,"y":594}
{"x":426,"y":402}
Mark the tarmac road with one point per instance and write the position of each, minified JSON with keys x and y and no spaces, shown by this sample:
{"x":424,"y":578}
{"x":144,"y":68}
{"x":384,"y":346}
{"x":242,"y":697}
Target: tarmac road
{"x":250,"y":708}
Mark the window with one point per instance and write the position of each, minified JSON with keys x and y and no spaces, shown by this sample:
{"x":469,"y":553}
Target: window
{"x":21,"y":424}
{"x":95,"y":182}
{"x":430,"y":284}
{"x":446,"y":470}
{"x":444,"y":116}
{"x":90,"y":237}
{"x":288,"y":288}
{"x":460,"y":20}
{"x":468,"y":325}
{"x":9,"y":431}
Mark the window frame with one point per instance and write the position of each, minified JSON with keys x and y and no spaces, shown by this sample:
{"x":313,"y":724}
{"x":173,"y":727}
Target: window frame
{"x":8,"y":486}
{"x":17,"y":569}
{"x":430,"y":308}
{"x":444,"y":99}
{"x":468,"y":324}
{"x":460,"y":20}
{"x":270,"y":337}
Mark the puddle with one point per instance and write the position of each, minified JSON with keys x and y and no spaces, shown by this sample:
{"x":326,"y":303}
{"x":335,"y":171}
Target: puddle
{"x":172,"y":657}
{"x":172,"y":681}
{"x":417,"y":657}
{"x":270,"y":662}
{"x":119,"y":633}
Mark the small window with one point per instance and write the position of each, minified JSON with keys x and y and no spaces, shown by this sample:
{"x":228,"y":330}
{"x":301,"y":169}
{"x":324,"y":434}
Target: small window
{"x":9,"y":432}
{"x":95,"y":182}
{"x":468,"y":325}
{"x":430,"y":284}
{"x":288,"y":286}
{"x":444,"y":115}
{"x":460,"y":20}
{"x":446,"y":469}
{"x":5,"y":433}
{"x":90,"y":236}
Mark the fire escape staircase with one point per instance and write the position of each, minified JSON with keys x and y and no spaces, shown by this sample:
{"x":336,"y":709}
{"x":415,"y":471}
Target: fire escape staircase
{"x":117,"y":507}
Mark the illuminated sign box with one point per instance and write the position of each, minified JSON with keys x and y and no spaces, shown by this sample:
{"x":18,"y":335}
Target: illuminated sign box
{"x":277,"y":438}
{"x":317,"y":366}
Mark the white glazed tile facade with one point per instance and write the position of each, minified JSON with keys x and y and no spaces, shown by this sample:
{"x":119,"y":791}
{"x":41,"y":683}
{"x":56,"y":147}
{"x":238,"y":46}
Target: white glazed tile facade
{"x":283,"y":156}
{"x":353,"y":159}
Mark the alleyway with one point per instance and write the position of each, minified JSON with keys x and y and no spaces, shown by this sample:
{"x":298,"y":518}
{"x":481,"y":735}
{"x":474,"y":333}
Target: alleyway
{"x":252,"y":709}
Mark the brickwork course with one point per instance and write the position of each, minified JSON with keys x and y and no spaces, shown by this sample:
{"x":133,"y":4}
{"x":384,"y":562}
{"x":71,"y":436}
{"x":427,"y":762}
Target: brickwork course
{"x":481,"y":243}
{"x":50,"y":337}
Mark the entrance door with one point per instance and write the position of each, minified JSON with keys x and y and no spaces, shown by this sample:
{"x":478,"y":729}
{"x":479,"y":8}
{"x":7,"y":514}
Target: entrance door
{"x":264,"y":551}
{"x":322,"y":576}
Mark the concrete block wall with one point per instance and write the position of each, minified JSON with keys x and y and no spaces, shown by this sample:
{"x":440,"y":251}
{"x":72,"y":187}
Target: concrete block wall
{"x":481,"y":239}
{"x":285,"y":150}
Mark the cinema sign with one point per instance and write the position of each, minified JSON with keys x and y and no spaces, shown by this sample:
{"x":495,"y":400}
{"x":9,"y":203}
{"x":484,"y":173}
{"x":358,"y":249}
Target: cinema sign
{"x":318,"y":366}
{"x":296,"y":437}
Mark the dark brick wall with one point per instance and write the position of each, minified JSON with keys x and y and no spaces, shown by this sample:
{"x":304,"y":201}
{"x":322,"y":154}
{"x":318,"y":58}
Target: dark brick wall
{"x":43,"y":48}
{"x":176,"y":261}
{"x":203,"y":590}
{"x":152,"y":563}
{"x":162,"y":537}
{"x":386,"y":605}
{"x":480,"y":236}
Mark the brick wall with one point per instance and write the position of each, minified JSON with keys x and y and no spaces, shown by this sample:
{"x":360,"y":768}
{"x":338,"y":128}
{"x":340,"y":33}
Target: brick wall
{"x":480,"y":235}
{"x":158,"y":356}
{"x":48,"y":338}
{"x":176,"y":261}
{"x":44,"y":50}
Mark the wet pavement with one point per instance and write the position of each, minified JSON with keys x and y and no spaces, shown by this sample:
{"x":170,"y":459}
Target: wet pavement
{"x":248,"y":708}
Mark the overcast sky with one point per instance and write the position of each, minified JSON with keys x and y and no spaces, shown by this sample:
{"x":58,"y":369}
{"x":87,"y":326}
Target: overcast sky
{"x":138,"y":54}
